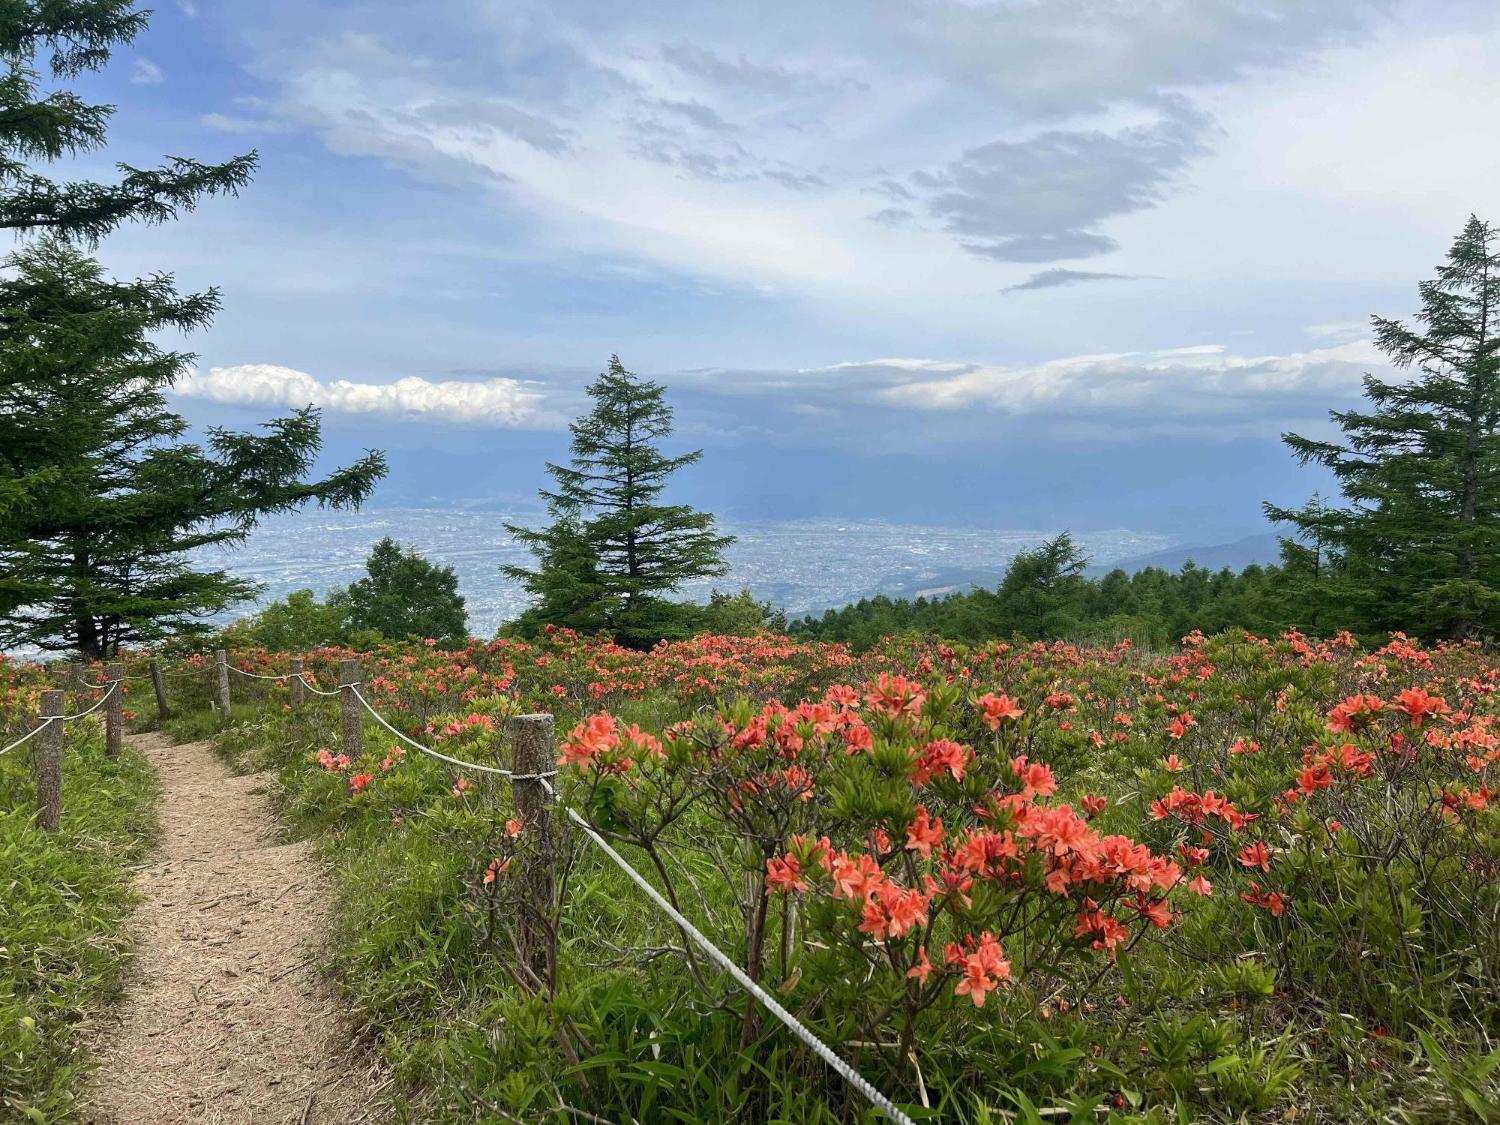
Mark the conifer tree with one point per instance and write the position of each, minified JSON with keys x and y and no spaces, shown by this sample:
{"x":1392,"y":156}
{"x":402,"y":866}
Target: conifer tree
{"x":404,"y":597}
{"x":98,"y":555}
{"x":68,"y":38}
{"x":1041,"y":587}
{"x":1418,"y":546}
{"x":613,"y":551}
{"x":43,"y":44}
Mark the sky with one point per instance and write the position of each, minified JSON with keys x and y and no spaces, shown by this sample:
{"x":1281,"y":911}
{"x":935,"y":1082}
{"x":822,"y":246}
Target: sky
{"x":1010,"y":263}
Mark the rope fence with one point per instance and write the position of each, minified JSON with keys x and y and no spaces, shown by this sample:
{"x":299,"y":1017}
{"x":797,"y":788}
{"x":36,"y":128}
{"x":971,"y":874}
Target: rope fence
{"x":534,"y":762}
{"x":47,"y":736}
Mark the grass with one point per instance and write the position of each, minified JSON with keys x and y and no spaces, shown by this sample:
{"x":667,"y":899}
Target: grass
{"x":65,"y":899}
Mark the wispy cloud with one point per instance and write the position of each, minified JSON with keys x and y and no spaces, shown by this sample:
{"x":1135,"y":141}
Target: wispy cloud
{"x":144,"y":72}
{"x":228,"y":123}
{"x":491,"y":402}
{"x":690,"y":140}
{"x":1053,"y":278}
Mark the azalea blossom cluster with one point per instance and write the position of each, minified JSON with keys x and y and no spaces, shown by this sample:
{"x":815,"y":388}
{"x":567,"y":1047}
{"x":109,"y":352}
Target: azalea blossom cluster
{"x":906,"y":884}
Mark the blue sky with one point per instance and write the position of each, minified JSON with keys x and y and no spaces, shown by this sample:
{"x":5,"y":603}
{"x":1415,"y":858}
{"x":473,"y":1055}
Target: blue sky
{"x":1015,"y":263}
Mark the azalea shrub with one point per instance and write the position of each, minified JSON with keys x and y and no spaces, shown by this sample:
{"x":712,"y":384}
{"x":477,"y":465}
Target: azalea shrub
{"x":1243,"y":876}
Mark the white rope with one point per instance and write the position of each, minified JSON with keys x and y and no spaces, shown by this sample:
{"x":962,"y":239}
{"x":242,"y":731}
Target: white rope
{"x":113,"y":684}
{"x":725,"y":962}
{"x":186,"y":674}
{"x":444,"y":757}
{"x":255,"y":676}
{"x":25,"y":738}
{"x":310,"y":686}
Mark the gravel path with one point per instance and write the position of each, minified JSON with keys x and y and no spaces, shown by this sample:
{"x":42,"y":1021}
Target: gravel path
{"x":227,"y":1020}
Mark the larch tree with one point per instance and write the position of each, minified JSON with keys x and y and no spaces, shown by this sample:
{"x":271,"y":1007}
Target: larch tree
{"x":100,"y":554}
{"x":1418,"y":545}
{"x":613,"y":551}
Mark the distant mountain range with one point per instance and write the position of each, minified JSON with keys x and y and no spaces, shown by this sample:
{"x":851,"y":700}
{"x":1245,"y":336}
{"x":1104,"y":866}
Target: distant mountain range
{"x":1250,"y":551}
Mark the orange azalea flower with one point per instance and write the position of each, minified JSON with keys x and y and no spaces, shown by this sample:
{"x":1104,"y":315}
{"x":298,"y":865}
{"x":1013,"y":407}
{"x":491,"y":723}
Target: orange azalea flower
{"x":922,"y":835}
{"x":1355,"y":713}
{"x":922,"y":968}
{"x":997,"y":708}
{"x":1256,"y":855}
{"x":1418,"y":704}
{"x":495,"y":870}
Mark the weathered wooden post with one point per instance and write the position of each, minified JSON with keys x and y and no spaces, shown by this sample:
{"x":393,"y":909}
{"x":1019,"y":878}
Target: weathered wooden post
{"x":160,"y":687}
{"x":221,"y":683}
{"x":299,"y":689}
{"x":46,"y":761}
{"x":68,"y":676}
{"x":114,"y":710}
{"x":533,"y":755}
{"x":349,"y":708}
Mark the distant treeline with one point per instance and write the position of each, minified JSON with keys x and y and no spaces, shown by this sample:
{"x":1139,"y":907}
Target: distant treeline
{"x":1045,"y":595}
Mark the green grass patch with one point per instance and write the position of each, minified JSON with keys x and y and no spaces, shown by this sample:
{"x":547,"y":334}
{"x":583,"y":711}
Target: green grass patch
{"x":65,"y":899}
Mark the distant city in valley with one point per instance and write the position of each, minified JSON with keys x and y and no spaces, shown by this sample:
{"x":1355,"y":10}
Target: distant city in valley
{"x":800,"y":566}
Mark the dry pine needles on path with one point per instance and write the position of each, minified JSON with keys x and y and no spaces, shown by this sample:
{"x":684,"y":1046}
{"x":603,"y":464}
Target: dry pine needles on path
{"x":228,"y":1019}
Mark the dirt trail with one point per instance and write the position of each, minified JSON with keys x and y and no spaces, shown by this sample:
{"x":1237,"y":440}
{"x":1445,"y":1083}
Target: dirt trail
{"x":227,"y":1020}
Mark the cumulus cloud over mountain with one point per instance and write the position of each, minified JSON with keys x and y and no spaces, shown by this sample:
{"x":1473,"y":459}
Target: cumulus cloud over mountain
{"x":490,"y":402}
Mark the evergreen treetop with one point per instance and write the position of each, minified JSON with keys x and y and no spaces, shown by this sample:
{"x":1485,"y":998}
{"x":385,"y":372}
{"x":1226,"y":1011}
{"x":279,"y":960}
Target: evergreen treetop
{"x":1418,"y":546}
{"x":613,"y":549}
{"x":404,"y":596}
{"x":68,"y":38}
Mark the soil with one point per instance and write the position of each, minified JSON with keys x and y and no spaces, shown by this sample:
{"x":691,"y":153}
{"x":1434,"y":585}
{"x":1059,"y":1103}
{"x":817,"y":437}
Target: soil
{"x":228,"y":1018}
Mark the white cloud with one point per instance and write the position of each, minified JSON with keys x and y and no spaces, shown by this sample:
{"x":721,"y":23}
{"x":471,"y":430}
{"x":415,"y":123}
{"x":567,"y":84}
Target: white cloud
{"x":146,"y":73}
{"x":490,"y":402}
{"x":1202,"y":379}
{"x":1197,"y":381}
{"x":226,"y":123}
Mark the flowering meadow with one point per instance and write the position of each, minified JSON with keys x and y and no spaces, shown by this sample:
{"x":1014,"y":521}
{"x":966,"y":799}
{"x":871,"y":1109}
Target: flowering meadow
{"x":1248,"y":879}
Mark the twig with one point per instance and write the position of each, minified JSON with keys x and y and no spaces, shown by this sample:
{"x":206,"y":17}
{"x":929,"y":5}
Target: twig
{"x":293,"y":969}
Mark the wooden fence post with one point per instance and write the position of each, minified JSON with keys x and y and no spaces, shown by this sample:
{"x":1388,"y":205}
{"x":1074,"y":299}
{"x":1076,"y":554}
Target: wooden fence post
{"x":68,"y":676}
{"x":221,"y":683}
{"x":532,"y":753}
{"x":114,"y":710}
{"x":160,"y":687}
{"x":298,"y":688}
{"x":349,"y":707}
{"x":46,"y":761}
